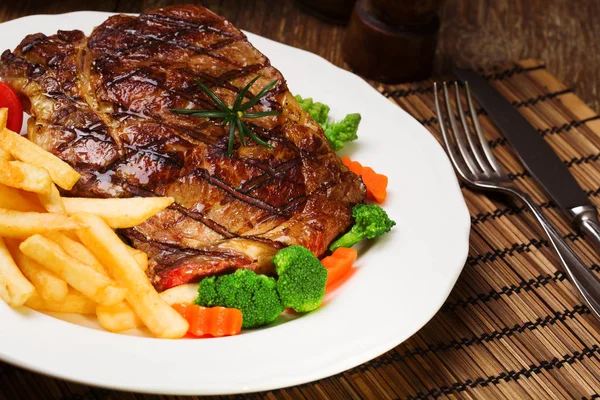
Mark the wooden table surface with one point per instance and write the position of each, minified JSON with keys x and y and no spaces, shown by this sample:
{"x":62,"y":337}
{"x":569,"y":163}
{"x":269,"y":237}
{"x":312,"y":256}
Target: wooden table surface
{"x":478,"y":33}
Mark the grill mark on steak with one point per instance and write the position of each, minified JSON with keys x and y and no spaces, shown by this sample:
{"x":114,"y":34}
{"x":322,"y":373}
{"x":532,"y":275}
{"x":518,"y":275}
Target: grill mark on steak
{"x":172,"y":42}
{"x":198,"y":216}
{"x":178,"y":22}
{"x":269,"y":174}
{"x":170,"y":38}
{"x":195,"y":215}
{"x":110,"y":96}
{"x":252,"y":201}
{"x":132,"y":233}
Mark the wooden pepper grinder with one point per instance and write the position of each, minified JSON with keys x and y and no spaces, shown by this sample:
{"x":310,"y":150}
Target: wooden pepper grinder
{"x":393,"y":40}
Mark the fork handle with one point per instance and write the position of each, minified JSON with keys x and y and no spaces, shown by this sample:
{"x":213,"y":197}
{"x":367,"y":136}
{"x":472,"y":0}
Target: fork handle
{"x":586,"y":219}
{"x":581,"y":276}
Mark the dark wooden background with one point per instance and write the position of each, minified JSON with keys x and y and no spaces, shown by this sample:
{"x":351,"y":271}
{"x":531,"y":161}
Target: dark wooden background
{"x":563,"y":33}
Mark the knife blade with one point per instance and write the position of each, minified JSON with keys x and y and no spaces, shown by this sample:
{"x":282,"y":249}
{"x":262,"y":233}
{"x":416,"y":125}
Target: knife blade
{"x":536,"y":155}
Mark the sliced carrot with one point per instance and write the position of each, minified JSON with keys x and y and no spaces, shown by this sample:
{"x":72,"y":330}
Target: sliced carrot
{"x":376,"y":184}
{"x":213,"y":321}
{"x":339,"y":263}
{"x":346,"y":161}
{"x":353,"y":166}
{"x":340,"y":282}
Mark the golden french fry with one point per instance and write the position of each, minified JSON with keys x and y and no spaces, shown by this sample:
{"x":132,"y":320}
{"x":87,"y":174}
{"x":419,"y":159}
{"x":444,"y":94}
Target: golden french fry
{"x":22,"y":149}
{"x":14,"y":199}
{"x":15,"y":289}
{"x":71,"y":235}
{"x":20,"y":224}
{"x":48,"y":285}
{"x":141,"y":258}
{"x":24,"y":176}
{"x":5,"y":155}
{"x":81,"y":276}
{"x":119,"y":213}
{"x":74,"y":303}
{"x":52,"y":202}
{"x":3,"y":118}
{"x":162,"y":320}
{"x":77,"y":250}
{"x":118,"y":318}
{"x":183,"y":294}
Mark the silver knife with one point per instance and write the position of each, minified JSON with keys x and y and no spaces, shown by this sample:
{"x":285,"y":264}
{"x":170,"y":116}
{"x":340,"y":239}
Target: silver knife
{"x":537,"y":156}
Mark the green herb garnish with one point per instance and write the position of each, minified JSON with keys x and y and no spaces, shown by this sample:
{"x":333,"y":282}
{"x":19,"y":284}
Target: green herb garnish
{"x":233,"y":115}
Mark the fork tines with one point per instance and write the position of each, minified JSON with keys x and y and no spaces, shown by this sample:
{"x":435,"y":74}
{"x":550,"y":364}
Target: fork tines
{"x":476,"y":160}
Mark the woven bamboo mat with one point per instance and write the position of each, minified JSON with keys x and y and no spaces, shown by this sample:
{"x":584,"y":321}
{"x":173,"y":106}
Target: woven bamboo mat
{"x":514,"y":326}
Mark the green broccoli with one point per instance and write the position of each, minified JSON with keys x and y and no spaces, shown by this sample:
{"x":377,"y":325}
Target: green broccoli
{"x":302,"y":278}
{"x":253,"y":294}
{"x":337,"y":133}
{"x":318,"y":111}
{"x":342,"y":131}
{"x":370,"y":221}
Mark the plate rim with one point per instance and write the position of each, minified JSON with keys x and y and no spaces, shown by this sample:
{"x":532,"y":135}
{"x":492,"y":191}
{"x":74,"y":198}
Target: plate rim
{"x":282,"y":383}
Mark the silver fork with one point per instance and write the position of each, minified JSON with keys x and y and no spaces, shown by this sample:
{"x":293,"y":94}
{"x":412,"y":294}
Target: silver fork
{"x":478,"y":168}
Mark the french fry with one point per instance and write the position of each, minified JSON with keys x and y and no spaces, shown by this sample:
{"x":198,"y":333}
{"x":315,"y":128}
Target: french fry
{"x":22,"y":149}
{"x":77,"y":250}
{"x":19,"y":224}
{"x":118,"y":318}
{"x":182,"y":294}
{"x":15,"y":289}
{"x":141,"y":258}
{"x":25,"y":176}
{"x":3,"y":117}
{"x":74,"y":303}
{"x":162,"y":320}
{"x":13,"y":199}
{"x":49,"y":286}
{"x":52,"y":202}
{"x":119,"y":213}
{"x":80,"y":276}
{"x":71,"y":235}
{"x":5,"y":155}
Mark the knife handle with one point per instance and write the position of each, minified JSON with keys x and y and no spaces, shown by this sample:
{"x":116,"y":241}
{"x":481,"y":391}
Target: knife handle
{"x":586,"y":219}
{"x":580,"y":275}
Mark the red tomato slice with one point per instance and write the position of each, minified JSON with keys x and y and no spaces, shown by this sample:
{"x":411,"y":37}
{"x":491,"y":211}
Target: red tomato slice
{"x":9,"y":99}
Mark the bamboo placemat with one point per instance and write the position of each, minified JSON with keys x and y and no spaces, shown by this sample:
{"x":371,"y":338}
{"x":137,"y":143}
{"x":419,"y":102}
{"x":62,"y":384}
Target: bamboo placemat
{"x":513,"y":327}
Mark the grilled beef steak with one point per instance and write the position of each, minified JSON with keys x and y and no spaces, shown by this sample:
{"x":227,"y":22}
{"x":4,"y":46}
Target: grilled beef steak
{"x":102,"y":103}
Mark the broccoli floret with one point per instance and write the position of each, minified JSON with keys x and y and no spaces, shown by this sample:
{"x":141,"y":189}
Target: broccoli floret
{"x":253,"y":294}
{"x":337,"y":133}
{"x":342,"y":131}
{"x":318,"y":111}
{"x":302,"y":278}
{"x":370,"y":221}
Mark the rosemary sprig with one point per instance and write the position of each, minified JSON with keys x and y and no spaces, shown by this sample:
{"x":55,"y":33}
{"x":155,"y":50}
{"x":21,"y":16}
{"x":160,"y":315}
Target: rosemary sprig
{"x":233,"y":115}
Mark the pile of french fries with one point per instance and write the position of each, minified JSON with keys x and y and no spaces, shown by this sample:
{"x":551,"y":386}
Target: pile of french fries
{"x":61,"y":254}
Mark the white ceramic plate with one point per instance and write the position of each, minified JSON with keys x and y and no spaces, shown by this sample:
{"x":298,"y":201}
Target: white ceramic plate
{"x":402,"y":279}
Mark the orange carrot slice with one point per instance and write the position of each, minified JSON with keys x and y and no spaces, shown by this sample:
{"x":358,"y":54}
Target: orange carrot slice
{"x":339,"y":263}
{"x":375,"y":183}
{"x":213,"y":321}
